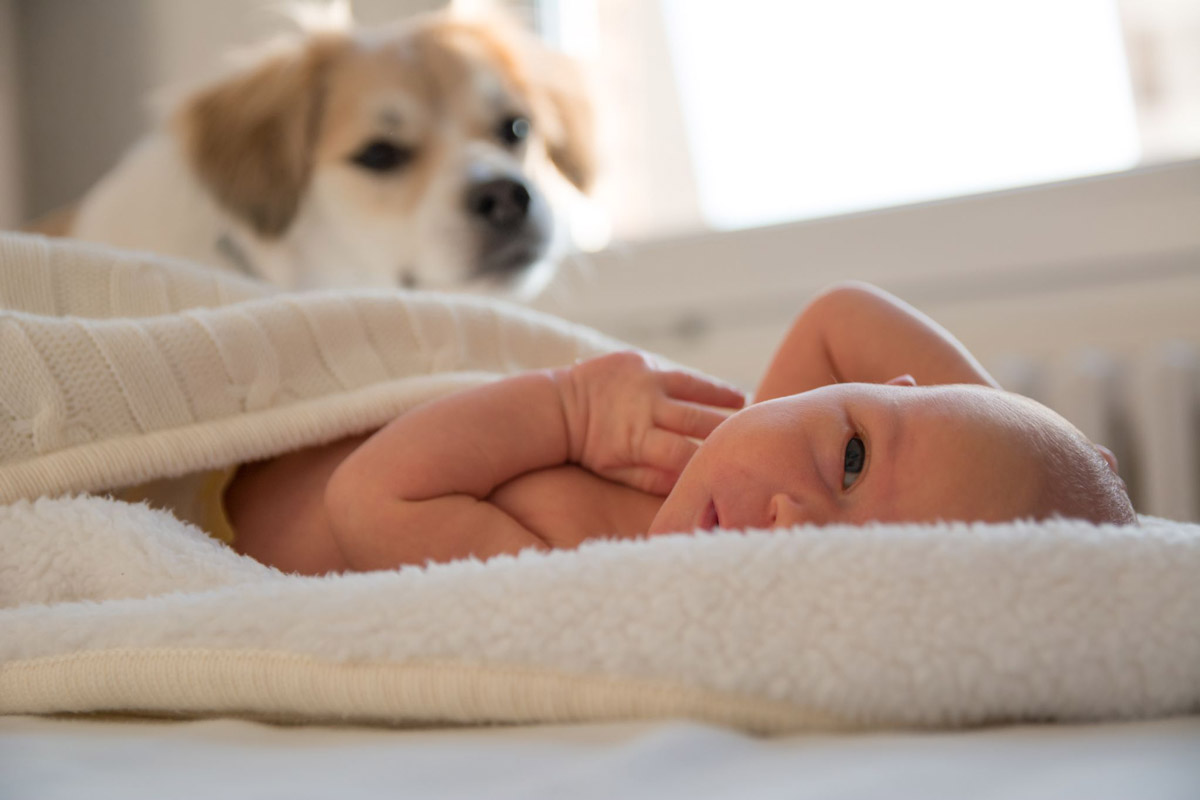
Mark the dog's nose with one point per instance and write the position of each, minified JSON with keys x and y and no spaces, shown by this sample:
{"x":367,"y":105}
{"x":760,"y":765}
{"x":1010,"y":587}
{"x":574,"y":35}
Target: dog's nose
{"x":503,"y":202}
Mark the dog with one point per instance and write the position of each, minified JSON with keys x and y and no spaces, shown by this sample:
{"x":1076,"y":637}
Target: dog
{"x":437,"y":153}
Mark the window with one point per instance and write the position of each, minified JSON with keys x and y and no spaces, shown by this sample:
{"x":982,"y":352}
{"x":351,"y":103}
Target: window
{"x":725,"y":115}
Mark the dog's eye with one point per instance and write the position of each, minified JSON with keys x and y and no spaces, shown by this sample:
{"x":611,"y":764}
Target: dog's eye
{"x":380,"y":155}
{"x":513,"y":130}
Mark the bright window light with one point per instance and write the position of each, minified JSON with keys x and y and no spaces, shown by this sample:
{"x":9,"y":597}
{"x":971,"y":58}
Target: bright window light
{"x":805,"y":109}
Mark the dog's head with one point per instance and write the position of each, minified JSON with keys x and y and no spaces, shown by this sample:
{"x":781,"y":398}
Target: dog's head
{"x":421,"y":155}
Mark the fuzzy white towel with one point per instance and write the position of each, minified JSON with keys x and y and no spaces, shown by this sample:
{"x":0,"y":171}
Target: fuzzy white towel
{"x":107,"y":606}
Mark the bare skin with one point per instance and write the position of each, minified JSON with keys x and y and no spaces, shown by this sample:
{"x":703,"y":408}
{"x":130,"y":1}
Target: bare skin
{"x":868,"y":411}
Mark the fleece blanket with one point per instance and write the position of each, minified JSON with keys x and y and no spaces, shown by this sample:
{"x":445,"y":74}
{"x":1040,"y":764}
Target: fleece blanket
{"x":118,"y":368}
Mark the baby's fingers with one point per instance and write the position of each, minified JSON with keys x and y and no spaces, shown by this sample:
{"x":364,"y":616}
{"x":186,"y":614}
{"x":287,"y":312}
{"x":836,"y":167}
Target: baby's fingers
{"x":700,"y":389}
{"x":687,"y":419}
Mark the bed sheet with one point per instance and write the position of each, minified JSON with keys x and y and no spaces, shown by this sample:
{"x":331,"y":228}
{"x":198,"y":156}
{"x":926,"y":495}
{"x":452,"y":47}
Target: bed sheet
{"x":138,"y":759}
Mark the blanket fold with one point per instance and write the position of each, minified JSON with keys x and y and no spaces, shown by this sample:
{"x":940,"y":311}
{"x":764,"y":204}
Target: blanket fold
{"x":155,"y":371}
{"x":118,"y":368}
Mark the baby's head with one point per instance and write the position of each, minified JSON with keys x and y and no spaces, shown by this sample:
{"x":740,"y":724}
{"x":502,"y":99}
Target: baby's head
{"x":894,"y":452}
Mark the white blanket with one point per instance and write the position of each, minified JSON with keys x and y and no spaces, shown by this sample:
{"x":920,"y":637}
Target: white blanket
{"x":119,"y":368}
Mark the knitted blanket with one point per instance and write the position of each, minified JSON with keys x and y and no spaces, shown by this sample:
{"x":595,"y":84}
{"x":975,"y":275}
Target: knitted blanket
{"x":118,"y":368}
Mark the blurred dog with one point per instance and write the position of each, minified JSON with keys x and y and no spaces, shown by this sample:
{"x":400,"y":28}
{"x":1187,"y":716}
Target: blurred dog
{"x":434,"y":154}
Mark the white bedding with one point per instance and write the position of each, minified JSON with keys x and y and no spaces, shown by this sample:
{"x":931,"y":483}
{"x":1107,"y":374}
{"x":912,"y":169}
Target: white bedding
{"x":55,"y":759}
{"x":124,"y":368}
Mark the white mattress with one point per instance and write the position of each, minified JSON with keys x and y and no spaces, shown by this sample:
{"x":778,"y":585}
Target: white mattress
{"x":49,"y":758}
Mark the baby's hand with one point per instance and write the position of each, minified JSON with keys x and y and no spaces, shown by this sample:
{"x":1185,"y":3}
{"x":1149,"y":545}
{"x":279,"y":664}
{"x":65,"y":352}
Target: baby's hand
{"x":629,"y":421}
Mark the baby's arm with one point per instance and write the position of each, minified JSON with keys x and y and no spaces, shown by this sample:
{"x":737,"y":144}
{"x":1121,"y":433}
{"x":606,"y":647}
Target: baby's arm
{"x":412,"y":492}
{"x":418,"y":489}
{"x":857,"y":332}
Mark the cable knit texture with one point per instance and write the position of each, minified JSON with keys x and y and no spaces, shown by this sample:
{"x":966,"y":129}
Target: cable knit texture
{"x":119,"y":367}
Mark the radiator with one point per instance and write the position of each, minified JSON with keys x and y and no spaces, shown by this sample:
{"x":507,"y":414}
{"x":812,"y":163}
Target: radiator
{"x":1144,"y":406}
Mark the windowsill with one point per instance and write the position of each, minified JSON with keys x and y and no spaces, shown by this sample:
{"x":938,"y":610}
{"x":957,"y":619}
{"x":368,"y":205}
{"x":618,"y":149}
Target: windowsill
{"x":1097,"y":228}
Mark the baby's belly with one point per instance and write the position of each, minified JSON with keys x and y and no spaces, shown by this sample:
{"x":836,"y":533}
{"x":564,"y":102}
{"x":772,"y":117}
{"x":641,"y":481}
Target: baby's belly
{"x":277,"y":509}
{"x":567,"y":505}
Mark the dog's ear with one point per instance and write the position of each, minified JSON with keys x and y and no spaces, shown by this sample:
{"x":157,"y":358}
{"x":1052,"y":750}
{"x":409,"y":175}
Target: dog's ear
{"x":250,"y":137}
{"x":571,"y":141}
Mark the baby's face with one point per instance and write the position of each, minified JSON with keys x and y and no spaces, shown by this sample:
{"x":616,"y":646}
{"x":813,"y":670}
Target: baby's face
{"x":856,"y":453}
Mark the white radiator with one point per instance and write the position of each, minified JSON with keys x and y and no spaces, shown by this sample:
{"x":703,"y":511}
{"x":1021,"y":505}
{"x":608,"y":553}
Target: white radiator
{"x":1143,"y":406}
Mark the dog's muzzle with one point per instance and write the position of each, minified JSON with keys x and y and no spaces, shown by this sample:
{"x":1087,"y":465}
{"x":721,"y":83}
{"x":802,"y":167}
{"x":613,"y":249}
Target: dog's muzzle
{"x":512,"y":225}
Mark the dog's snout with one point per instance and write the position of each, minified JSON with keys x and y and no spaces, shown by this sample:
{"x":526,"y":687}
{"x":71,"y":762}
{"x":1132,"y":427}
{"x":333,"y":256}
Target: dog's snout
{"x":509,"y":221}
{"x":503,"y":202}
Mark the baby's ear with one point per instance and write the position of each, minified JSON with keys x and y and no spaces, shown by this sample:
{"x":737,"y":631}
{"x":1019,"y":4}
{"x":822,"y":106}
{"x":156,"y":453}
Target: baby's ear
{"x":1108,"y":456}
{"x":903,"y":380}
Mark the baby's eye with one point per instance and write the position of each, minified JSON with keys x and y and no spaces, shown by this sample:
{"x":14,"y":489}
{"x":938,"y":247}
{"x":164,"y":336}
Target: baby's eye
{"x":856,"y":454}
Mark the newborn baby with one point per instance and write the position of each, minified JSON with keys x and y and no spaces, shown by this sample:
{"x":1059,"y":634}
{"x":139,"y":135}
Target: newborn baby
{"x":869,"y":411}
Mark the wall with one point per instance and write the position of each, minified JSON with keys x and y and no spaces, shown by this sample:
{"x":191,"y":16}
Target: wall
{"x":11,"y":210}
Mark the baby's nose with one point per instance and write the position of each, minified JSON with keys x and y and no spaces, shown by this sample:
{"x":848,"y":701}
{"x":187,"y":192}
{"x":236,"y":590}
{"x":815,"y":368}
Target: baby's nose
{"x":786,"y":512}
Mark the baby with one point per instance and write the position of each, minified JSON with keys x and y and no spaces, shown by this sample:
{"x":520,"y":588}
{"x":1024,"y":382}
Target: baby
{"x":869,"y":411}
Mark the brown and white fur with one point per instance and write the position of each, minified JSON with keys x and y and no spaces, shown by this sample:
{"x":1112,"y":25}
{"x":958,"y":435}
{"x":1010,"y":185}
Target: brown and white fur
{"x":421,"y":155}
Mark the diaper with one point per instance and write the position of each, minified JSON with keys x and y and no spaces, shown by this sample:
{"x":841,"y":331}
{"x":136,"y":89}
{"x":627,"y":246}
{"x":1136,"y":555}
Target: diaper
{"x":198,"y":498}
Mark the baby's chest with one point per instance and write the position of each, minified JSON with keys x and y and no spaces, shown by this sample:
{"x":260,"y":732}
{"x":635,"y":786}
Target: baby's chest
{"x":567,"y":505}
